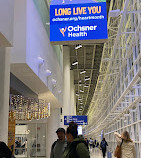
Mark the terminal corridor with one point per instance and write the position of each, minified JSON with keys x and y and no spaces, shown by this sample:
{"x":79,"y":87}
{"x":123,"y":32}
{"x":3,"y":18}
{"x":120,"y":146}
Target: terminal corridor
{"x":70,"y":78}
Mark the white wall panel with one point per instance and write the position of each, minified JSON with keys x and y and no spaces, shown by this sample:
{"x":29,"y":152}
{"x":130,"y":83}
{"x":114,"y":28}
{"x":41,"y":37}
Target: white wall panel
{"x":6,"y":22}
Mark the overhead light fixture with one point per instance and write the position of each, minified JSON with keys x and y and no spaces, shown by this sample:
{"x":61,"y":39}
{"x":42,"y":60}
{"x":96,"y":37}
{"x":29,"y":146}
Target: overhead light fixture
{"x":80,"y":81}
{"x":40,"y":60}
{"x":81,"y":91}
{"x":54,"y":81}
{"x":79,"y":98}
{"x":77,"y":94}
{"x":48,"y":73}
{"x":78,"y":46}
{"x":75,"y":63}
{"x":80,"y":85}
{"x":82,"y":72}
{"x":86,"y":79}
{"x":86,"y":86}
{"x":81,"y":103}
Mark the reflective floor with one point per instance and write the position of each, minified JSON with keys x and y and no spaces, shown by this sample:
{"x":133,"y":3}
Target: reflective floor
{"x":96,"y":153}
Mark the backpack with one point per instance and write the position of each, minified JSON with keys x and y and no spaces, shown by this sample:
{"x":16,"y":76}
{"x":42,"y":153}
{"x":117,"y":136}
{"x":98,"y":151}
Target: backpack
{"x":53,"y":145}
{"x":103,"y":144}
{"x":73,"y":149}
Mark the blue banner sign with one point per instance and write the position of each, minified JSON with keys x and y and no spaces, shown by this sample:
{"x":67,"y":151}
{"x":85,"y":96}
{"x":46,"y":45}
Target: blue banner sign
{"x":80,"y":120}
{"x":78,"y":20}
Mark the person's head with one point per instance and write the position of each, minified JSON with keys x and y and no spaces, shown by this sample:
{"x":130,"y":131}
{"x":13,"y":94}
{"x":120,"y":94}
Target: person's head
{"x":61,"y":134}
{"x":103,"y":139}
{"x":71,"y":132}
{"x":125,"y":136}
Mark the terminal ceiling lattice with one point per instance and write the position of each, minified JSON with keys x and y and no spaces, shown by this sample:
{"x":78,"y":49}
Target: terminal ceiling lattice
{"x":86,"y":72}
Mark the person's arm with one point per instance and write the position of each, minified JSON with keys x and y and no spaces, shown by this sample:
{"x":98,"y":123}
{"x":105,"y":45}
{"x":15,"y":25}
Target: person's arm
{"x":134,"y":152}
{"x":82,"y":151}
{"x":118,"y":138}
{"x":51,"y":153}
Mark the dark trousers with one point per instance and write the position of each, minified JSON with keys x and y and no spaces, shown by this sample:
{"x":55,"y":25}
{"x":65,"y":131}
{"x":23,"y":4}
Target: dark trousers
{"x":104,"y":152}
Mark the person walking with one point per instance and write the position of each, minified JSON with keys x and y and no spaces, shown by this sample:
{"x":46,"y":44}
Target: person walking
{"x":77,"y":147}
{"x":103,"y":146}
{"x":127,"y":145}
{"x":59,"y":146}
{"x":91,"y":143}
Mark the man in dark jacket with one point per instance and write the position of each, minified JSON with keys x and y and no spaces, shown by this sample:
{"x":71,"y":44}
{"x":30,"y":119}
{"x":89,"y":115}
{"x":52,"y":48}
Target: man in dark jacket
{"x":103,"y":146}
{"x":59,"y":146}
{"x":76,"y":147}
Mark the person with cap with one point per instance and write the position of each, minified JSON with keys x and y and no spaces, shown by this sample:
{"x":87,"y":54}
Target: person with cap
{"x":59,"y":146}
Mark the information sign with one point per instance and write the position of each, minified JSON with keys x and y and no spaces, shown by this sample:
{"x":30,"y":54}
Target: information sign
{"x":80,"y":120}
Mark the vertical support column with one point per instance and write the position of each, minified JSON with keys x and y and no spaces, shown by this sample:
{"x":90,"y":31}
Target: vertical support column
{"x":74,"y":104}
{"x":132,"y":126}
{"x":139,"y":126}
{"x":72,"y":93}
{"x":53,"y":124}
{"x":66,"y":72}
{"x":4,"y":92}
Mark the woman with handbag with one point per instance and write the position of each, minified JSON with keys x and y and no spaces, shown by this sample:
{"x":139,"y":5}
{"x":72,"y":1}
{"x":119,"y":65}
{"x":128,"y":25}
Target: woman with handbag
{"x":126,"y":145}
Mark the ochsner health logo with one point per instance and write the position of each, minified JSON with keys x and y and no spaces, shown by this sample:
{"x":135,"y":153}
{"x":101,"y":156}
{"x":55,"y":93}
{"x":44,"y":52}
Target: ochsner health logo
{"x":77,"y":31}
{"x":63,"y":30}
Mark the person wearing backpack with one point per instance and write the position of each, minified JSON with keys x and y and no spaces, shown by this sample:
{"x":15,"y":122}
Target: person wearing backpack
{"x":59,"y":146}
{"x":103,"y":146}
{"x":77,"y":147}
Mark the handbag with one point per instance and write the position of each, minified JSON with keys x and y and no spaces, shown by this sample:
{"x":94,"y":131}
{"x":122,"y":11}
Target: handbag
{"x":117,"y":152}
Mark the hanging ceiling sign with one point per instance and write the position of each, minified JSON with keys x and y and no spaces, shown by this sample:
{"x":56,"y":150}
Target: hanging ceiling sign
{"x":78,"y":21}
{"x":80,"y":120}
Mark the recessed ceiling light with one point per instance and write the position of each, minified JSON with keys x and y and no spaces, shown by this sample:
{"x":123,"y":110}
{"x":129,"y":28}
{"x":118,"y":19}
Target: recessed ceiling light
{"x":79,"y":98}
{"x":78,"y":46}
{"x":82,"y":72}
{"x":82,"y":91}
{"x":86,"y":79}
{"x":75,"y":63}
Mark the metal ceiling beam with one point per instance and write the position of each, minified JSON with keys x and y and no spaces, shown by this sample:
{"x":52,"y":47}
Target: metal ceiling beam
{"x":84,"y":69}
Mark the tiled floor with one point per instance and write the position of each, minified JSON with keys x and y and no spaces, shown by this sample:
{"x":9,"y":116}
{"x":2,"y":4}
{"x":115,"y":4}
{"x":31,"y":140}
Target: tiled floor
{"x":96,"y":153}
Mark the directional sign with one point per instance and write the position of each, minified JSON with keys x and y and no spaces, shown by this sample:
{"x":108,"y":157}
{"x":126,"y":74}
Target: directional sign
{"x":77,"y":21}
{"x":80,"y":120}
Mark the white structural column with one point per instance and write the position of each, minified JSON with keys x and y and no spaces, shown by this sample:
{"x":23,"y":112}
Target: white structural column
{"x":53,"y":124}
{"x":4,"y":92}
{"x":72,"y":93}
{"x":66,"y":72}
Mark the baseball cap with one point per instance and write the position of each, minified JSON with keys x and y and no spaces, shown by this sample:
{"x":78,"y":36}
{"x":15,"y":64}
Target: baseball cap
{"x":60,"y":130}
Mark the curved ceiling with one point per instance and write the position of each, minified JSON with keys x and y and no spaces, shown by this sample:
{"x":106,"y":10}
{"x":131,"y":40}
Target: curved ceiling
{"x":86,"y":72}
